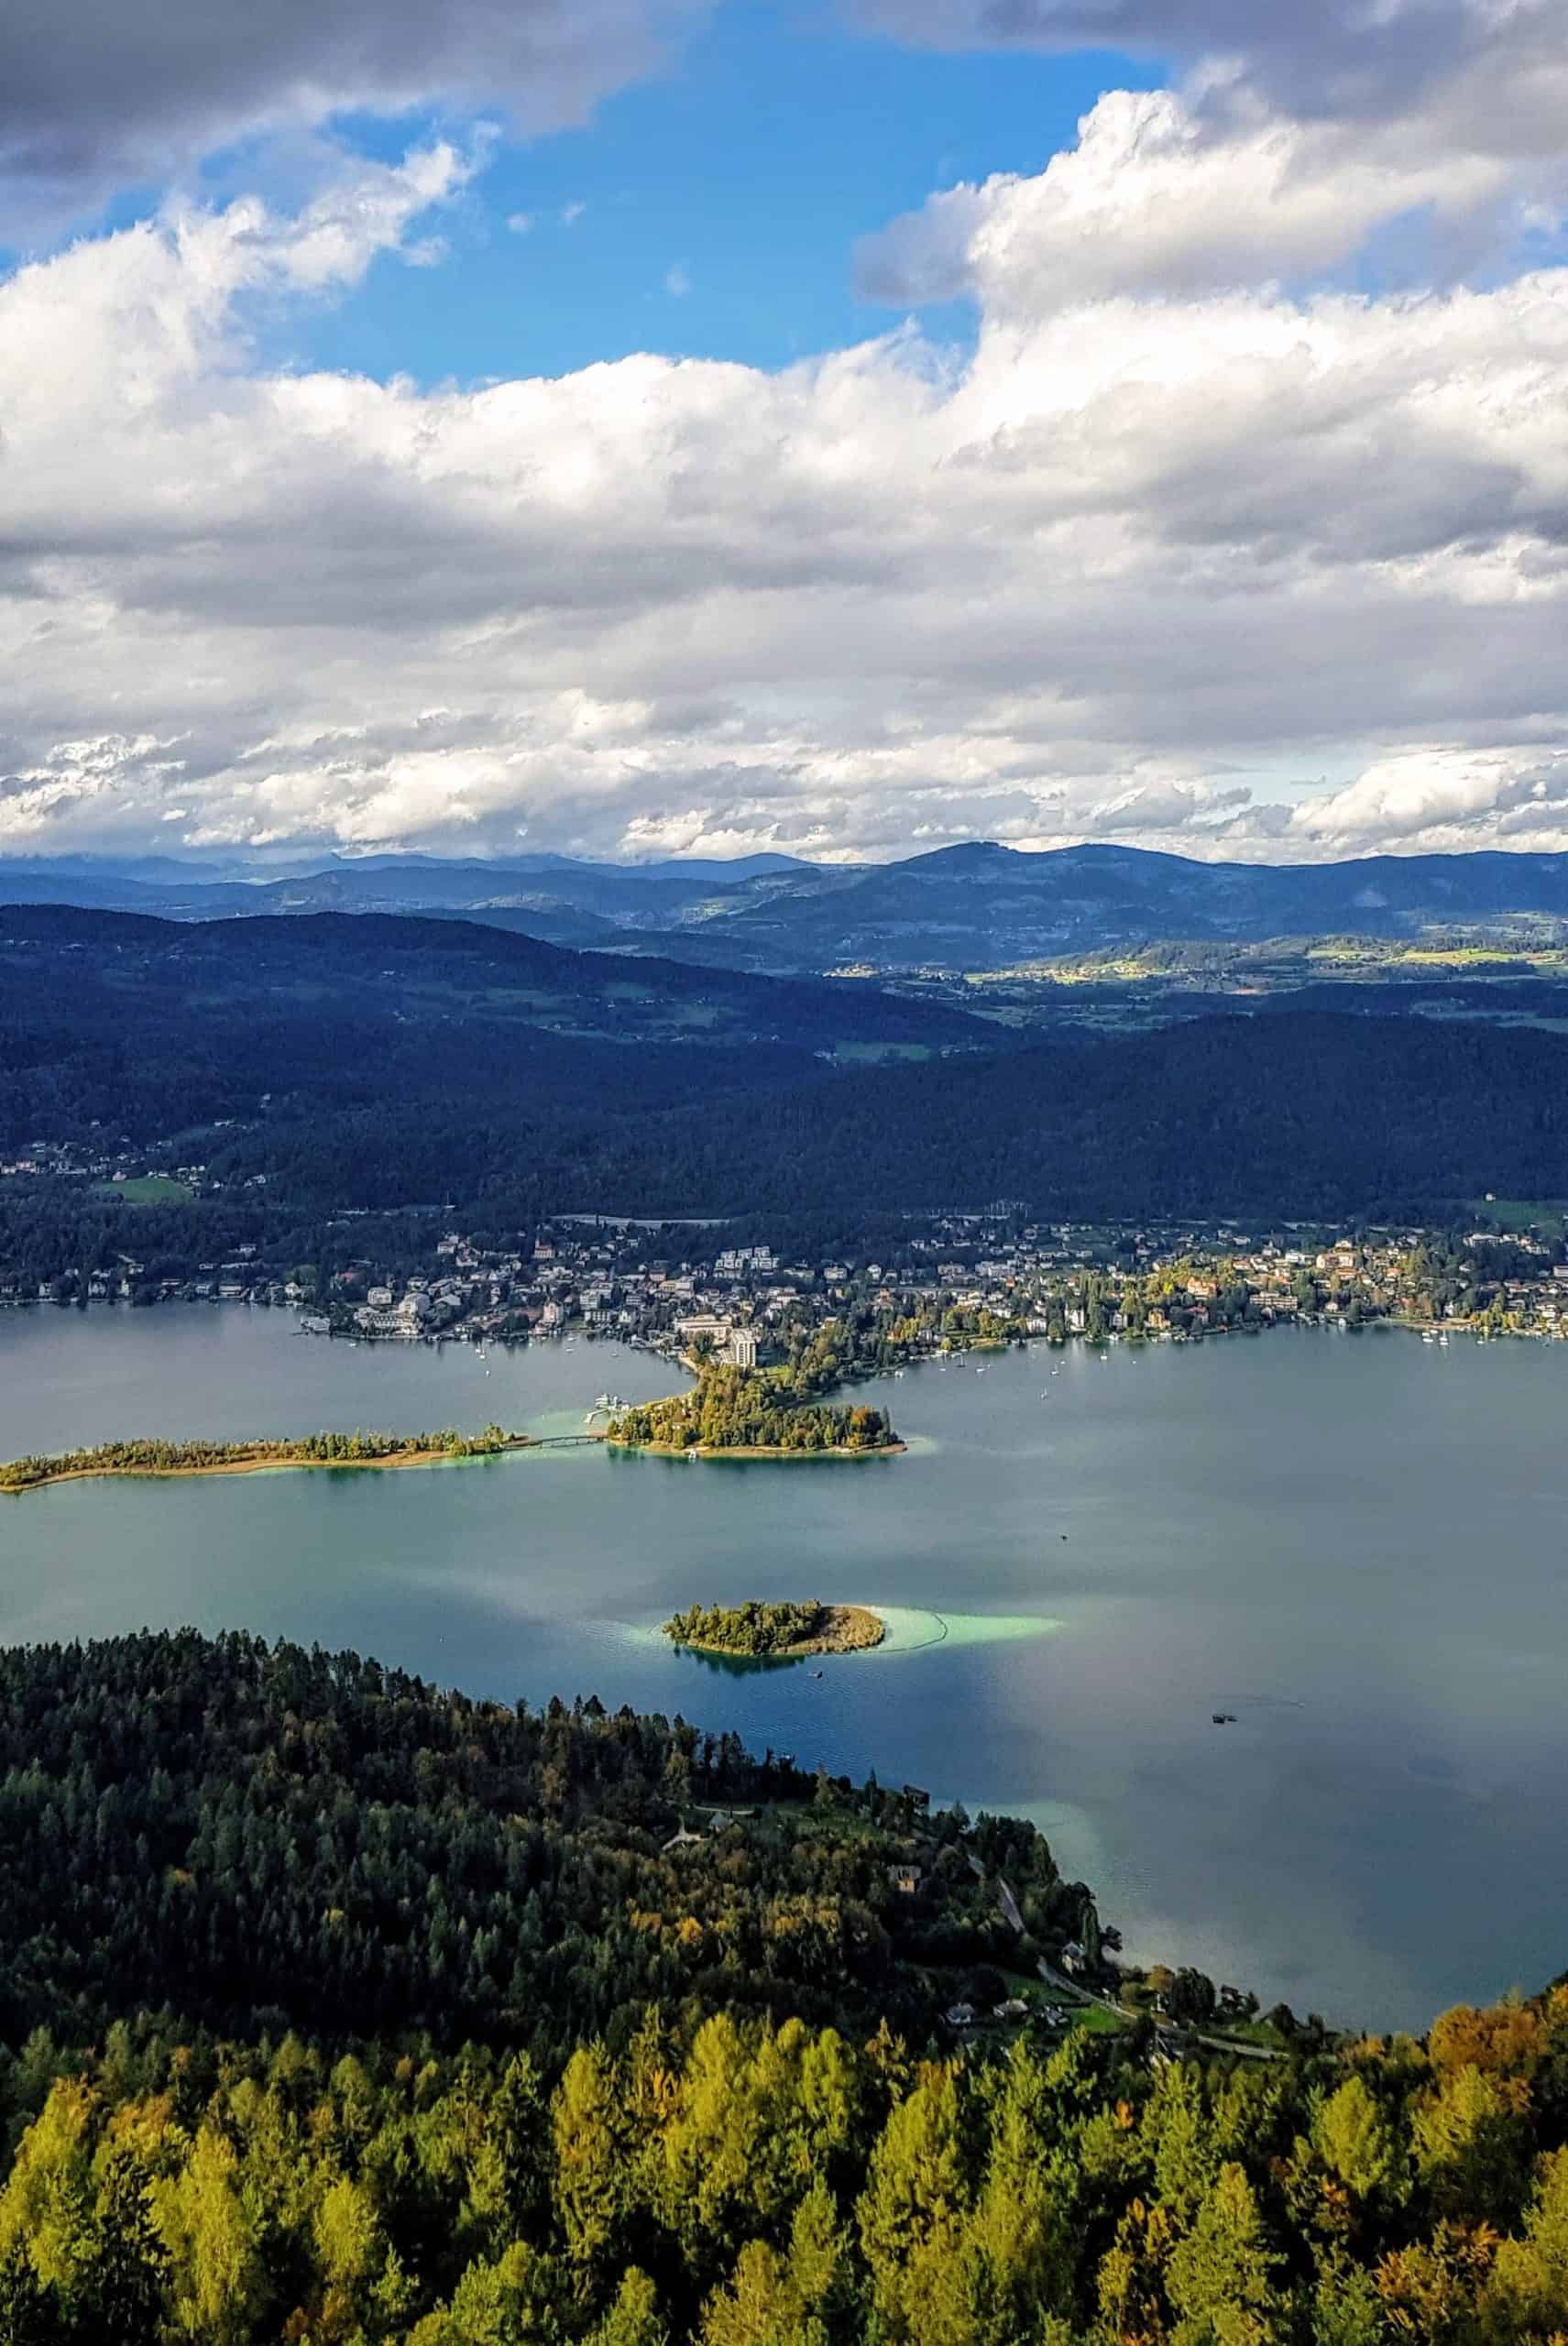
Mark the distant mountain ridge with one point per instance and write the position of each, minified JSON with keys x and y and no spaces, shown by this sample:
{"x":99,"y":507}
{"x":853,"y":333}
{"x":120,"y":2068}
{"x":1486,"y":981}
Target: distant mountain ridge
{"x":974,"y":906}
{"x":466,"y":968}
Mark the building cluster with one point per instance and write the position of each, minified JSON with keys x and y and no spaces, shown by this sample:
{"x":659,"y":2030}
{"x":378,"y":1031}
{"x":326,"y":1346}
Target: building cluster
{"x":958,"y":1281}
{"x":747,"y":1305}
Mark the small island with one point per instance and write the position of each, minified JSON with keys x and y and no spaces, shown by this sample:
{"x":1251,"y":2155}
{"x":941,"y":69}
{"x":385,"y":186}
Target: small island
{"x":165,"y":1458}
{"x":781,"y":1632}
{"x":751,"y":1413}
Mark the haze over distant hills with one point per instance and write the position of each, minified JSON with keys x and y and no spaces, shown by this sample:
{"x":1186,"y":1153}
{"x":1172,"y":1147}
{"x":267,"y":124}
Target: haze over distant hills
{"x":975,"y":907}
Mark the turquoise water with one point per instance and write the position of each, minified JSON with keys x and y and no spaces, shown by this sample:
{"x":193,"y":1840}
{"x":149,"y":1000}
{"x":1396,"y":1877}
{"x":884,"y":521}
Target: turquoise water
{"x":1356,"y":1544}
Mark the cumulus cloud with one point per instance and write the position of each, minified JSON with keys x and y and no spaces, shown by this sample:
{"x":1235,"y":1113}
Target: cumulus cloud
{"x":1152,"y":200}
{"x":1449,"y":799}
{"x":1305,"y":132}
{"x":1181,"y":535}
{"x":94,"y":95}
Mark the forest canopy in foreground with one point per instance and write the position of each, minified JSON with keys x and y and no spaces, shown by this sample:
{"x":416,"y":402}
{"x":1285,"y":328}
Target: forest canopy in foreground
{"x":383,"y":2017}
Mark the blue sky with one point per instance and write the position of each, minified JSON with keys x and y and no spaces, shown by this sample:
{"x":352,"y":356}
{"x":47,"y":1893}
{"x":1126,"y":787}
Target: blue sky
{"x":743,"y":174}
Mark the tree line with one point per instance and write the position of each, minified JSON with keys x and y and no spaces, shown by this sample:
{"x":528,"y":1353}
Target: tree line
{"x":750,"y":1629}
{"x":151,"y":1455}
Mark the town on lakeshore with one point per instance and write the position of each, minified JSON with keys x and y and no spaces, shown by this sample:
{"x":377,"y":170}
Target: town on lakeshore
{"x":939,"y":1282}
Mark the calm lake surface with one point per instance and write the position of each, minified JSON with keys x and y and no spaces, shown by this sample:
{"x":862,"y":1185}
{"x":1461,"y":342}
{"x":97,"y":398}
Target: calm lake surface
{"x":1355,"y":1543}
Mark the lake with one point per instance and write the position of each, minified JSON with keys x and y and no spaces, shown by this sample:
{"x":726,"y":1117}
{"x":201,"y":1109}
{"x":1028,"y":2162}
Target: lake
{"x":1356,"y":1544}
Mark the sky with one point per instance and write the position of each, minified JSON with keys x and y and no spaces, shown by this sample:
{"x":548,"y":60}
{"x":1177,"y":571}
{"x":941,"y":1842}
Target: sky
{"x":646,"y":427}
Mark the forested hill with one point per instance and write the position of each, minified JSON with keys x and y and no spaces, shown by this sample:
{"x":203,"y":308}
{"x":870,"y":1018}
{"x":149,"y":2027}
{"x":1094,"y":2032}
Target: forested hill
{"x":322,"y":1064}
{"x":1278,"y":1115}
{"x":434,"y":971}
{"x":261,"y":1838}
{"x":383,"y":2017}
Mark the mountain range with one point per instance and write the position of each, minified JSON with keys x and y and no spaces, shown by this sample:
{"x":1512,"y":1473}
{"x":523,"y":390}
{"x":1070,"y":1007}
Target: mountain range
{"x":977,"y":906}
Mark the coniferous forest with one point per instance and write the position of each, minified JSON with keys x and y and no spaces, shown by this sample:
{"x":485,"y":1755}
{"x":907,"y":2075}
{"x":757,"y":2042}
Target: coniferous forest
{"x":346,"y":2010}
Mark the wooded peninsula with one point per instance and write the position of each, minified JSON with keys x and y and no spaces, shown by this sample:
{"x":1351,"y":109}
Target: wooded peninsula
{"x":155,"y":1457}
{"x":781,"y":1632}
{"x":754,"y":1413}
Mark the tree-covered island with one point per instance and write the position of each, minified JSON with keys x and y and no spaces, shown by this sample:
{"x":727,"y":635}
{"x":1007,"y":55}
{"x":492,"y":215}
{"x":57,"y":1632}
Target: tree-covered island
{"x":151,"y":1456}
{"x":752,"y":1412}
{"x":781,"y":1632}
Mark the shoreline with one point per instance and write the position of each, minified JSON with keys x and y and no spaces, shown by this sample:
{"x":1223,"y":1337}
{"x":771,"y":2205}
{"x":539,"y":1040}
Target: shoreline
{"x":842,"y":1619}
{"x":260,"y":1464}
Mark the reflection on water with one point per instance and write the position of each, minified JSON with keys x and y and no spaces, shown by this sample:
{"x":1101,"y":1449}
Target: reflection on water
{"x":1357,"y":1547}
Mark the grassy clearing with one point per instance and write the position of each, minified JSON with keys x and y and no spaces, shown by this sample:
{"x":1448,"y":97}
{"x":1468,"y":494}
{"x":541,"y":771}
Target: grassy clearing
{"x":147,"y":1190}
{"x":1547,"y":1215}
{"x":1097,"y":2021}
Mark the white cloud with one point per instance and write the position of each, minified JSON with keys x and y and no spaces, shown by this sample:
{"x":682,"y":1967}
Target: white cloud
{"x":1151,"y":200}
{"x":1169,"y":539}
{"x":1449,"y":799}
{"x":677,"y":280}
{"x":519,"y":223}
{"x":1306,"y":132}
{"x":571,"y":213}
